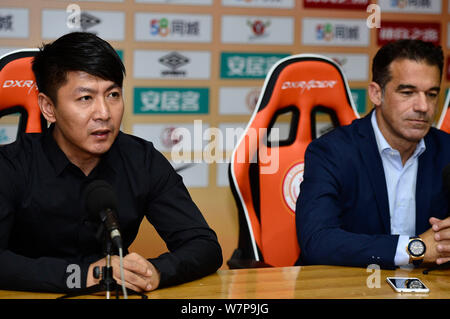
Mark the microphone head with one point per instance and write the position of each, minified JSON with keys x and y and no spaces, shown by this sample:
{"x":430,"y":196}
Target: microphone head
{"x":99,"y":196}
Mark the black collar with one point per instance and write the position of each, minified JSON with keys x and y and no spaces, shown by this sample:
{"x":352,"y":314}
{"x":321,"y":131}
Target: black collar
{"x":59,"y":160}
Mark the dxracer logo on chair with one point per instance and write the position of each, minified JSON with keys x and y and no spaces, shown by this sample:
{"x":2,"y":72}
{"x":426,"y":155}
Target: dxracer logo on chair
{"x":18,"y":83}
{"x":30,"y":84}
{"x":308,"y":85}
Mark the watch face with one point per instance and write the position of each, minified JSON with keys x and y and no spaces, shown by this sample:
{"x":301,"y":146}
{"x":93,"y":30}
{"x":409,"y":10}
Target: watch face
{"x":414,"y":284}
{"x":416,"y":248}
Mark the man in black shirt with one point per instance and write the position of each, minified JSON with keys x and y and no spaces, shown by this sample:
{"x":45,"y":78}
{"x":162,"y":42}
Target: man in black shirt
{"x":45,"y":229}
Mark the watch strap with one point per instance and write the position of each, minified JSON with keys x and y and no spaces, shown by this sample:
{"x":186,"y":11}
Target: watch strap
{"x":417,"y":262}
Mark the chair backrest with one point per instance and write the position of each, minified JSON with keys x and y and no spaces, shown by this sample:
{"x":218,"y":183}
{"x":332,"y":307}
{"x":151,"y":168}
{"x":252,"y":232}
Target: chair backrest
{"x":444,"y":120}
{"x":18,"y":90}
{"x":266,"y":184}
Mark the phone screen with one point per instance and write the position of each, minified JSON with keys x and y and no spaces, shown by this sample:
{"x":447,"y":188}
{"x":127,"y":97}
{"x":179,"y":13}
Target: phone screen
{"x":407,"y":284}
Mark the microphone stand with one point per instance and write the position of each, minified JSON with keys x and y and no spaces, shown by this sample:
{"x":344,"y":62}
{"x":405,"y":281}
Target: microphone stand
{"x":107,"y":282}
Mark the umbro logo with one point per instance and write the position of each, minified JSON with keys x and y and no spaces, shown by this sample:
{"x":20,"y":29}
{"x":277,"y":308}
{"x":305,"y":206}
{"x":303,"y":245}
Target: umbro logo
{"x":174,"y":60}
{"x":87,"y":21}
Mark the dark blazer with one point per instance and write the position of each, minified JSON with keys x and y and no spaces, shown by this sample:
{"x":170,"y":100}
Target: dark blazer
{"x":342,"y":213}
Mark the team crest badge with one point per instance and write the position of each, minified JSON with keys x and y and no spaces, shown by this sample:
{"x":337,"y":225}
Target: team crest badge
{"x":291,"y":185}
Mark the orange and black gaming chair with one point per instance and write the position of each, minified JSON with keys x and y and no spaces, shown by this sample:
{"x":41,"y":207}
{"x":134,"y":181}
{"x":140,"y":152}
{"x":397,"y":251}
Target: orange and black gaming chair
{"x":265,"y":177}
{"x":18,"y":90}
{"x":444,"y":120}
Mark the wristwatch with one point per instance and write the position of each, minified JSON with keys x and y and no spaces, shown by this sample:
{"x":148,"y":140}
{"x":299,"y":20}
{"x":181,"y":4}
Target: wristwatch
{"x":416,"y":249}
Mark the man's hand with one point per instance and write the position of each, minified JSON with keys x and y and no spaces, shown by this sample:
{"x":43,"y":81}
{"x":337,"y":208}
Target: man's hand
{"x":437,"y":241}
{"x":139,"y":274}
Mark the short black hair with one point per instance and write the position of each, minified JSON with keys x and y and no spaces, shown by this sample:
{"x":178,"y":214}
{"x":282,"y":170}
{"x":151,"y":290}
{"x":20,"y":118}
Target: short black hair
{"x":75,"y":51}
{"x":416,"y":50}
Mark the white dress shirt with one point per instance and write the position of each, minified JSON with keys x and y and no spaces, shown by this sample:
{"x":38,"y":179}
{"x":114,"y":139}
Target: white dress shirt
{"x":401,"y":189}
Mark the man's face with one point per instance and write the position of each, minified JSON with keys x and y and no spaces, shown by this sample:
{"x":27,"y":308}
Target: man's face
{"x":87,"y":115}
{"x":406,"y":109}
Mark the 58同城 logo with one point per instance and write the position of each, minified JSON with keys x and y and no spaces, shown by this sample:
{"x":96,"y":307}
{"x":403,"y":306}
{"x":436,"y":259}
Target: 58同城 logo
{"x":163,"y":27}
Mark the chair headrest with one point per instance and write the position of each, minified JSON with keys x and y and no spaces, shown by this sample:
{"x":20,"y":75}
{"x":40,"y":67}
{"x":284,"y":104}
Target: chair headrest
{"x":18,"y":89}
{"x":306,"y":81}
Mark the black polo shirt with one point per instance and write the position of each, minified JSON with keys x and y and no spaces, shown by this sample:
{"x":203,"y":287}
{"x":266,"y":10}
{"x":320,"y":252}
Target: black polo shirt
{"x":45,"y":227}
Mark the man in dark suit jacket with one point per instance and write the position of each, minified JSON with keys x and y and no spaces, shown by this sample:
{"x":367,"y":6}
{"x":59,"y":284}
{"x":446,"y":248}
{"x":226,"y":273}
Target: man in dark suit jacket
{"x":372,"y":191}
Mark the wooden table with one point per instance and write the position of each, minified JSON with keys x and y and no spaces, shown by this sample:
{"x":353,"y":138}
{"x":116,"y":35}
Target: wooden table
{"x":303,"y":282}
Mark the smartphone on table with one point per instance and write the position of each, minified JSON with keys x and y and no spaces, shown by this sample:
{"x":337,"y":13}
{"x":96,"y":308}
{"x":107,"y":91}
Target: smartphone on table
{"x":407,"y":284}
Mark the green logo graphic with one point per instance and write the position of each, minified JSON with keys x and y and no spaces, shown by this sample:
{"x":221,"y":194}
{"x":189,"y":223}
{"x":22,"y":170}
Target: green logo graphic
{"x":120,"y":54}
{"x":169,"y":100}
{"x":359,"y":98}
{"x":234,"y":65}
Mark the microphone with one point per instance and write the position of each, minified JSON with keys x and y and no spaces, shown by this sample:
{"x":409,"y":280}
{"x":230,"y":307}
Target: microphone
{"x":101,"y":204}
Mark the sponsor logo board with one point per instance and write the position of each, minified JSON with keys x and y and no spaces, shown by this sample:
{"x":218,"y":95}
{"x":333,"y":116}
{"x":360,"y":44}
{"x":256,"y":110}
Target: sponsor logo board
{"x":163,"y":27}
{"x":257,"y":30}
{"x":14,"y":23}
{"x":411,"y":6}
{"x":360,"y":100}
{"x":336,"y":4}
{"x":171,"y":100}
{"x":396,"y":30}
{"x":109,"y":25}
{"x":193,"y":174}
{"x":355,"y":66}
{"x":335,"y":32}
{"x":238,"y":100}
{"x":222,"y":174}
{"x":166,"y":136}
{"x":8,"y":133}
{"x":155,"y":64}
{"x":232,"y":132}
{"x":244,"y":65}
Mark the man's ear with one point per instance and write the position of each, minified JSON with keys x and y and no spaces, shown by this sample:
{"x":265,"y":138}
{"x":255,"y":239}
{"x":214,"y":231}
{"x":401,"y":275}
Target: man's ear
{"x":375,"y":93}
{"x":47,"y":107}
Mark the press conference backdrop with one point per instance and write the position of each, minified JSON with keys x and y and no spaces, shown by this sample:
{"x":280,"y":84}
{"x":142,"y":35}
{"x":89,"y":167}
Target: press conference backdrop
{"x":195,"y":69}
